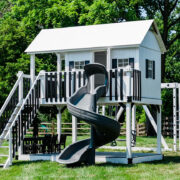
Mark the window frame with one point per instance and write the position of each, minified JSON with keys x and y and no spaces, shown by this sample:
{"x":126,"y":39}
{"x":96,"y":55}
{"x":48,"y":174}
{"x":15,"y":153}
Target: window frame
{"x":76,"y":65}
{"x":150,"y":69}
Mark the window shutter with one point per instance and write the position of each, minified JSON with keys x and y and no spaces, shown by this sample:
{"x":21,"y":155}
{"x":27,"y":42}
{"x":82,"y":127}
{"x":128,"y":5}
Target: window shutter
{"x":154,"y":69}
{"x":146,"y":68}
{"x":87,"y":62}
{"x":114,"y":63}
{"x":71,"y":65}
{"x":131,"y":62}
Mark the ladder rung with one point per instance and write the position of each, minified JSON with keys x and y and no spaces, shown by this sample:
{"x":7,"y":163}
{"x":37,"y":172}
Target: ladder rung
{"x":4,"y":155}
{"x":4,"y":146}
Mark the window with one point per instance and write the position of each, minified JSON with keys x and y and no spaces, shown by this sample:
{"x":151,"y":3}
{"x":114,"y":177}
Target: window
{"x":123,"y":62}
{"x":150,"y":69}
{"x":77,"y":65}
{"x":120,"y":63}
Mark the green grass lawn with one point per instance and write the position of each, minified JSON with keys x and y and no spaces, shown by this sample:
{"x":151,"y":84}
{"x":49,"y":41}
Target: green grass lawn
{"x":169,"y":168}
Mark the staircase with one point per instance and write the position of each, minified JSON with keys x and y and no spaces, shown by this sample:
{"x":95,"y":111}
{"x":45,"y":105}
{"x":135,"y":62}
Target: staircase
{"x":16,"y":116}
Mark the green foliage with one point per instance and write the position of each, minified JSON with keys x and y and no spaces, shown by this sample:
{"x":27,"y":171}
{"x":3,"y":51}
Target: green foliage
{"x":22,"y":20}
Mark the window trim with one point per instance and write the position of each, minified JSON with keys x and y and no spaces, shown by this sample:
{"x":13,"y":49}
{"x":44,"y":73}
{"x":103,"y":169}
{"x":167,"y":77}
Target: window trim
{"x":150,"y":66}
{"x":72,"y":65}
{"x":115,"y":62}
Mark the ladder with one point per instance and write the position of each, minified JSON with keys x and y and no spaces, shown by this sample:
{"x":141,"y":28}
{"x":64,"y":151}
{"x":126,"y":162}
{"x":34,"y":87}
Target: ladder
{"x":16,"y":126}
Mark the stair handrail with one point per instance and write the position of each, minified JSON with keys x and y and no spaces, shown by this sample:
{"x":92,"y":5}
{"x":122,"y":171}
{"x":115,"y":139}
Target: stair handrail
{"x":20,"y":76}
{"x":27,"y":96}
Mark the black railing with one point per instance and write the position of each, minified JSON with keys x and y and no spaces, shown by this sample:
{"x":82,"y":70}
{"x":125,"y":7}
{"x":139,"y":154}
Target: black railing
{"x":7,"y":113}
{"x":60,"y":86}
{"x":136,"y":85}
{"x":26,"y":117}
{"x":26,"y":86}
{"x":43,"y":145}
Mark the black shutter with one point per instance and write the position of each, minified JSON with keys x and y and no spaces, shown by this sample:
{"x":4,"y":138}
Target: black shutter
{"x":87,"y":62}
{"x":131,"y":62}
{"x":114,"y":63}
{"x":154,"y":70}
{"x":71,"y":65}
{"x":146,"y":68}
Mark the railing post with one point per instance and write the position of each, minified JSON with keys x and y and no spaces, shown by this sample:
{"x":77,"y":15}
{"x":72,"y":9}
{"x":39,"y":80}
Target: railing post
{"x":59,"y":124}
{"x":20,"y":90}
{"x":10,"y":146}
{"x":174,"y":119}
{"x":74,"y":129}
{"x":43,"y":87}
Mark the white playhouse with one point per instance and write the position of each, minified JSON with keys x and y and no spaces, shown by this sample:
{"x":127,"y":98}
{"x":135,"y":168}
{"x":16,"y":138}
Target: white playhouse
{"x":131,"y":53}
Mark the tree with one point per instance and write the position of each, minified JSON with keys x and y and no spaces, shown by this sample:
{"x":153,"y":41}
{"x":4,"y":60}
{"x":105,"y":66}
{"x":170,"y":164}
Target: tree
{"x":167,"y":15}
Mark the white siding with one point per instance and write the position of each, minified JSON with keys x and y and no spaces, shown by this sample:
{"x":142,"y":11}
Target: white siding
{"x":126,"y":53}
{"x":151,"y":88}
{"x":122,"y":54}
{"x":150,"y":41}
{"x":149,"y":49}
{"x":77,"y":56}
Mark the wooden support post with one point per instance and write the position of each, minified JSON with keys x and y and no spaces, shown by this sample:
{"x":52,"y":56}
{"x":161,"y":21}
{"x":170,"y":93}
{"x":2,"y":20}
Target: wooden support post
{"x":128,"y":115}
{"x":32,"y":68}
{"x":134,"y":118}
{"x":159,"y":131}
{"x":174,"y":120}
{"x":74,"y":129}
{"x":128,"y":131}
{"x":155,"y":126}
{"x":59,"y":124}
{"x":134,"y":125}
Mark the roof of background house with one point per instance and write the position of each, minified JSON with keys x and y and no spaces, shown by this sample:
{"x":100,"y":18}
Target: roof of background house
{"x":129,"y":33}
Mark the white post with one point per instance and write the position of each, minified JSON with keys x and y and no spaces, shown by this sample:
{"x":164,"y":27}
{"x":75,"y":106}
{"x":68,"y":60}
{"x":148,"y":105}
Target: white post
{"x":10,"y":147}
{"x":74,"y":129}
{"x":128,"y":114}
{"x":32,"y":68}
{"x":134,"y":125}
{"x":59,"y":64}
{"x":174,"y":120}
{"x":159,"y":131}
{"x":97,"y":109}
{"x":154,"y":125}
{"x":59,"y":131}
{"x":103,"y":110}
{"x":128,"y":131}
{"x":43,"y":86}
{"x":118,"y":115}
{"x":109,"y":59}
{"x":134,"y":118}
{"x":59,"y":69}
{"x":20,"y":87}
{"x":179,"y":113}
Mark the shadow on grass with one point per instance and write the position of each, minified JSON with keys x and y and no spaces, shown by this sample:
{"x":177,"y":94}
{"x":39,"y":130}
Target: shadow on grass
{"x":22,"y":163}
{"x":166,"y":160}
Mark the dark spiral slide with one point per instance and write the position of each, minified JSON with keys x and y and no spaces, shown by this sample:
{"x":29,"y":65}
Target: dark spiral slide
{"x":82,"y":105}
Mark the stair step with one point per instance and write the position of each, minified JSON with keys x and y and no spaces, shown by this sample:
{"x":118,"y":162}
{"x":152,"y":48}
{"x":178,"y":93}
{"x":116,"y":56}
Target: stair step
{"x":4,"y":146}
{"x":2,"y":165}
{"x":4,"y":155}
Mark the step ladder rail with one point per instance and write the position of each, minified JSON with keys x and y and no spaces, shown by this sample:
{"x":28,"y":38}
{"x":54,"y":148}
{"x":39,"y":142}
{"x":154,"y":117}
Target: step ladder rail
{"x":12,"y":133}
{"x":25,"y":100}
{"x":11,"y":102}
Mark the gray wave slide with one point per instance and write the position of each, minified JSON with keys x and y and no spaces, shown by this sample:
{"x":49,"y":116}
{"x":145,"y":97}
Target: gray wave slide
{"x":82,"y":105}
